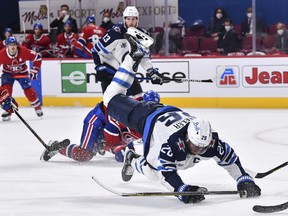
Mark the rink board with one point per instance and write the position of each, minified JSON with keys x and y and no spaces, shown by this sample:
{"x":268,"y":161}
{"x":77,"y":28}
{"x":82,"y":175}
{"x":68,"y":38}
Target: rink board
{"x":239,"y":82}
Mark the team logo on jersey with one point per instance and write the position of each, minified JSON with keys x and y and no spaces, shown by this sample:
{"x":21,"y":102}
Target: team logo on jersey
{"x":181,"y":145}
{"x":117,"y":29}
{"x":227,"y":76}
{"x":123,"y":45}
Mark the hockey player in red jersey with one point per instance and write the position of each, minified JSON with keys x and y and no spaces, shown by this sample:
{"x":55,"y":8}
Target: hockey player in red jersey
{"x":99,"y":136}
{"x":92,"y":140}
{"x":7,"y":33}
{"x":88,"y":36}
{"x":66,"y":42}
{"x":13,"y":59}
{"x":39,"y":42}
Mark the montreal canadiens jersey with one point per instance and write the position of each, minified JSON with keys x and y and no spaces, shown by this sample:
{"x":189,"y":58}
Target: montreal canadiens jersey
{"x":65,"y":45}
{"x":17,"y":64}
{"x":88,"y":35}
{"x":41,"y":44}
{"x":118,"y":134}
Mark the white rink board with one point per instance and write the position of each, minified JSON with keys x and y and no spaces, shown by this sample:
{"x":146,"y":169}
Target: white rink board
{"x":237,"y":77}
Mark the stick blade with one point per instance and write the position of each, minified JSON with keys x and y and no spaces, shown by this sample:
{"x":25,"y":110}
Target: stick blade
{"x":270,"y":209}
{"x":261,"y":175}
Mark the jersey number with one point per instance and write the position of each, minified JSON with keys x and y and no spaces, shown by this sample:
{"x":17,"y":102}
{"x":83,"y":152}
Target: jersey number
{"x":167,"y":151}
{"x":172,"y":117}
{"x":106,"y":38}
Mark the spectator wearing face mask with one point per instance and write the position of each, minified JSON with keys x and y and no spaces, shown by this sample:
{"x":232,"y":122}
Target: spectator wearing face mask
{"x":62,"y":18}
{"x":247,"y":24}
{"x":106,"y":21}
{"x":281,"y":41}
{"x":216,"y":24}
{"x":228,"y":42}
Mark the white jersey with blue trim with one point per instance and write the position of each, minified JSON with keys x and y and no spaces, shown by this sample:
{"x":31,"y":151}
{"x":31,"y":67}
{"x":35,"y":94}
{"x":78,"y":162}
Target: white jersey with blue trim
{"x":113,"y":47}
{"x":168,"y":150}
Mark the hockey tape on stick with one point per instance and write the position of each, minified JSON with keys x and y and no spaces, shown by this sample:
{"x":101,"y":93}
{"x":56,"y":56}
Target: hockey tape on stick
{"x":177,"y":79}
{"x":188,"y":193}
{"x":32,"y":131}
{"x":271,"y":208}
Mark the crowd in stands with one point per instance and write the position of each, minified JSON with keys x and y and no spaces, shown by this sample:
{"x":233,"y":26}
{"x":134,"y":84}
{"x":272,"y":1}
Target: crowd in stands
{"x":219,"y":37}
{"x":222,"y":37}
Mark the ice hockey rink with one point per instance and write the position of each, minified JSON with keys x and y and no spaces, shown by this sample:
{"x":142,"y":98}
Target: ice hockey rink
{"x":62,"y":187}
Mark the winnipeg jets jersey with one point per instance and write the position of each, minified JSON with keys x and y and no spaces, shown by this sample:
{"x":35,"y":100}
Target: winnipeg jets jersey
{"x":168,"y":149}
{"x":113,"y":47}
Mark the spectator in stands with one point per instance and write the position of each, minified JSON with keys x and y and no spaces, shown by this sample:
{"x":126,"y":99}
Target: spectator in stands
{"x":106,"y":21}
{"x":62,"y":18}
{"x":228,"y":42}
{"x":39,"y":42}
{"x":246,"y":25}
{"x":216,"y":24}
{"x":88,"y":36}
{"x":66,"y":42}
{"x":7,"y":33}
{"x":174,"y":30}
{"x":281,"y":41}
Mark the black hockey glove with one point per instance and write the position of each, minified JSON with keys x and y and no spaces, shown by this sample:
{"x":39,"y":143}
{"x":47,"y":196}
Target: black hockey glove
{"x":156,"y":77}
{"x":247,"y":187}
{"x":104,"y":73}
{"x":191,"y":198}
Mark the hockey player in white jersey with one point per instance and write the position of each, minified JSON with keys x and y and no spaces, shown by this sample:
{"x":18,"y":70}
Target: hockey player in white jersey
{"x":112,"y":49}
{"x":172,"y":139}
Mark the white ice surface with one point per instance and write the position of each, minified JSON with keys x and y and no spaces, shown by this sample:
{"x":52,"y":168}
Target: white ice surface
{"x":62,"y":187}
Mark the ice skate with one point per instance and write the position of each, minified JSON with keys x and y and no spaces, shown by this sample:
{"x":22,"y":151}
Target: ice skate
{"x":38,"y":111}
{"x":54,"y":147}
{"x":99,"y":148}
{"x":6,"y":116}
{"x":128,"y":170}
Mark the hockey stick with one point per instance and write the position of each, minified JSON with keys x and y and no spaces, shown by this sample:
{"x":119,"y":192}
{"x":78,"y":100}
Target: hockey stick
{"x":28,"y":126}
{"x":270,"y":209}
{"x":16,"y":77}
{"x":188,"y":193}
{"x":264,"y":174}
{"x":213,"y":79}
{"x":178,"y":80}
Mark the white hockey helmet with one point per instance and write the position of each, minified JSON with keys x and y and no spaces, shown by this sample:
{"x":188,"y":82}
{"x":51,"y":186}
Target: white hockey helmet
{"x":199,"y":132}
{"x":130,"y":11}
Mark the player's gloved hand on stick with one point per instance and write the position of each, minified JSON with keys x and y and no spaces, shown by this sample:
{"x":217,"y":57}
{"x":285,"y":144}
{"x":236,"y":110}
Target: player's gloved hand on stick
{"x":247,"y":187}
{"x":191,"y":198}
{"x":104,"y":73}
{"x":8,"y":103}
{"x":33,"y":74}
{"x":156,"y":77}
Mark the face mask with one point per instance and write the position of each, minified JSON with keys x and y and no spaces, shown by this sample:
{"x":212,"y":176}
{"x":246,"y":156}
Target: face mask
{"x":106,"y":19}
{"x":64,"y":12}
{"x":219,"y":15}
{"x":228,"y":28}
{"x":280,"y":31}
{"x":249,"y":15}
